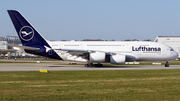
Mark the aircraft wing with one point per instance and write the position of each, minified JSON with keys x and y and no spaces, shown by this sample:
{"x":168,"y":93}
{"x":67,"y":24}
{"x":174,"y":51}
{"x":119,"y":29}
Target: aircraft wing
{"x":72,"y":50}
{"x":23,"y":47}
{"x":83,"y":53}
{"x":76,"y":50}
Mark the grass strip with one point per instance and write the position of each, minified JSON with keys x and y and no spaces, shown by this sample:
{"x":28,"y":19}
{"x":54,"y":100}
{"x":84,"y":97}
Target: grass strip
{"x":124,"y":85}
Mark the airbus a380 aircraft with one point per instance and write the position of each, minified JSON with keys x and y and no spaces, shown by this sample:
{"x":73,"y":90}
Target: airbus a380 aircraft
{"x":115,"y":52}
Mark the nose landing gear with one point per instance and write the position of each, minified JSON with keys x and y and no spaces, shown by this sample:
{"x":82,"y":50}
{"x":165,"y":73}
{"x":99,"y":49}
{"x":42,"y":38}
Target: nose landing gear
{"x":167,"y":64}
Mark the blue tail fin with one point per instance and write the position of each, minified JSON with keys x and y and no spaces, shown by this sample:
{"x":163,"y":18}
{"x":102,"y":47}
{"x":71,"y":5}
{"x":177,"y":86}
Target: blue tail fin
{"x":30,"y":37}
{"x":26,"y":32}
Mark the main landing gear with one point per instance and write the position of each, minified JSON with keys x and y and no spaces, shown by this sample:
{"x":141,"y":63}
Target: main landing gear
{"x":93,"y":65}
{"x":167,"y":64}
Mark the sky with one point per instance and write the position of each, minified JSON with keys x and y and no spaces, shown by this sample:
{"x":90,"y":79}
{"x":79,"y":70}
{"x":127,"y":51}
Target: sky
{"x":95,"y":19}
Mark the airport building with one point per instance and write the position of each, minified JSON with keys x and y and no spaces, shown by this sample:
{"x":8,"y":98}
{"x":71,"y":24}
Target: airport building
{"x":172,"y":41}
{"x":9,"y":52}
{"x":8,"y":40}
{"x":2,"y":46}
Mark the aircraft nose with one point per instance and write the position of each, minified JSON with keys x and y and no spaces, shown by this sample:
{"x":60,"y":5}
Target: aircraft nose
{"x":175,"y":54}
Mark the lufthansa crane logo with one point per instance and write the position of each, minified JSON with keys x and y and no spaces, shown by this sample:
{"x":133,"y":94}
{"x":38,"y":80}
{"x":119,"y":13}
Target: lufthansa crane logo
{"x":26,"y":33}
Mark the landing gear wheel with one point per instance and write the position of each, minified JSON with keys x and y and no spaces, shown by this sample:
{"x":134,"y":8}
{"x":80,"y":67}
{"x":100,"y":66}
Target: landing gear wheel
{"x":89,"y":65}
{"x":98,"y":65}
{"x":167,"y":64}
{"x":86,"y":65}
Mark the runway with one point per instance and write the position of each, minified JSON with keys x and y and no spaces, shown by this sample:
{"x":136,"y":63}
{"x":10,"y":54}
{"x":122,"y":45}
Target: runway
{"x":59,"y":67}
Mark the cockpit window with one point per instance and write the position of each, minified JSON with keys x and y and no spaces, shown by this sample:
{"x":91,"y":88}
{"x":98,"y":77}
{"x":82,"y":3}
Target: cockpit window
{"x":171,"y":49}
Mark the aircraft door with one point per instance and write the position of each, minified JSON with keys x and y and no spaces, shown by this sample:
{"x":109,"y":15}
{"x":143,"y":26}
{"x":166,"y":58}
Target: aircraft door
{"x":164,"y":52}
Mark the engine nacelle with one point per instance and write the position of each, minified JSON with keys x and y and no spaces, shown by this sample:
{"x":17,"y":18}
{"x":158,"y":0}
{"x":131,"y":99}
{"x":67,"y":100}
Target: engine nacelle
{"x":97,"y":57}
{"x":118,"y":59}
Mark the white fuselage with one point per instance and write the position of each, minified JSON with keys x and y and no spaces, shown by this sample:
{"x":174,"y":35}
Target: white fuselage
{"x":141,"y":51}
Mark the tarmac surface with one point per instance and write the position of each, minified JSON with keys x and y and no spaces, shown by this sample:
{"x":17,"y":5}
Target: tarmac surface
{"x":66,"y":67}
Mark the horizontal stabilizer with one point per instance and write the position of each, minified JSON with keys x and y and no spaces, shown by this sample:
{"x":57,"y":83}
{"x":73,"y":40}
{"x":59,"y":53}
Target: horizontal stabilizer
{"x":23,"y":47}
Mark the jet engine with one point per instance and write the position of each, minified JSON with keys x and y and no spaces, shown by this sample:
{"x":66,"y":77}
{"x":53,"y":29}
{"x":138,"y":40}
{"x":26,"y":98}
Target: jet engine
{"x":117,"y":59}
{"x":97,"y":57}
